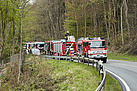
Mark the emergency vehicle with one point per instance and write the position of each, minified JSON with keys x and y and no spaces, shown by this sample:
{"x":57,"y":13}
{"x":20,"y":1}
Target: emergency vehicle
{"x":64,"y":47}
{"x":48,"y":47}
{"x":29,"y":45}
{"x":60,"y":47}
{"x":93,"y":48}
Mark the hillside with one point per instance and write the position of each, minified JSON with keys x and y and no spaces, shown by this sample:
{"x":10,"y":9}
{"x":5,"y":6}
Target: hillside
{"x":44,"y":74}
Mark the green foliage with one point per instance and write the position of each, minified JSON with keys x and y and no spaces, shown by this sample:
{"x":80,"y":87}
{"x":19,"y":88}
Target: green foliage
{"x":120,"y":56}
{"x":10,"y":12}
{"x":44,"y":74}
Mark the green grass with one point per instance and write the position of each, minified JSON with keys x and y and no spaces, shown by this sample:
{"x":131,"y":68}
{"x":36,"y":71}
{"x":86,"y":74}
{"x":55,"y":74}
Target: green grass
{"x":42,"y":74}
{"x":120,"y":56}
{"x":111,"y":84}
{"x":74,"y":76}
{"x":79,"y":77}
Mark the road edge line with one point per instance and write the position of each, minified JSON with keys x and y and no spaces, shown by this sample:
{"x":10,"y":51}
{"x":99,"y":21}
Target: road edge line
{"x":125,"y":84}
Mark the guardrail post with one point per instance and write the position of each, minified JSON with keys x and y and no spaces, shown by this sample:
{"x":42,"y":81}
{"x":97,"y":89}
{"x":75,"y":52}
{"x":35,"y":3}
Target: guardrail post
{"x":88,"y":61}
{"x":78,"y":59}
{"x":99,"y":70}
{"x":96,"y":66}
{"x":100,"y":67}
{"x":83,"y":60}
{"x":93,"y":64}
{"x":59,"y":57}
{"x":102,"y":75}
{"x":71,"y":59}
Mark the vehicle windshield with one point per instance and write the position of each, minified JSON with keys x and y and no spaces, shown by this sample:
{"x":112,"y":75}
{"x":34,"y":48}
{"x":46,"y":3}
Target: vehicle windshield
{"x":97,"y":44}
{"x":32,"y":45}
{"x":40,"y":45}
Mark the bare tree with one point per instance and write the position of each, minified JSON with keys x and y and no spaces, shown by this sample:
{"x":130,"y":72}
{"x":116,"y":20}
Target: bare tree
{"x":126,"y":16}
{"x":85,"y":3}
{"x":121,"y":9}
{"x":106,"y":21}
{"x":76,"y":16}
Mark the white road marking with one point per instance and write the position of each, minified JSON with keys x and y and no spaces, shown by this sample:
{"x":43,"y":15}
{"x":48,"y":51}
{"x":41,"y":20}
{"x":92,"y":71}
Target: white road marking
{"x":125,"y":84}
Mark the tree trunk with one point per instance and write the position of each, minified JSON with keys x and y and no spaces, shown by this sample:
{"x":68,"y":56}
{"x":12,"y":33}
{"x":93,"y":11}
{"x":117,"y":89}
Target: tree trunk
{"x":126,"y":16}
{"x":76,"y":16}
{"x":106,"y":21}
{"x":121,"y":9}
{"x":1,"y":34}
{"x":114,"y":21}
{"x":85,"y":19}
{"x":20,"y":63}
{"x":109,"y":20}
{"x":95,"y":22}
{"x":54,"y":30}
{"x":13,"y":41}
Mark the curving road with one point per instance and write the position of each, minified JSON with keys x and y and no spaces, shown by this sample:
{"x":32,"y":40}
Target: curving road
{"x":126,"y":70}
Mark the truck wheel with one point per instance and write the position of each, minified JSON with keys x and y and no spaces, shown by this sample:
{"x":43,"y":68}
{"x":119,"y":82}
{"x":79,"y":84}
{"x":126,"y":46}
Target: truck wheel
{"x":104,"y":60}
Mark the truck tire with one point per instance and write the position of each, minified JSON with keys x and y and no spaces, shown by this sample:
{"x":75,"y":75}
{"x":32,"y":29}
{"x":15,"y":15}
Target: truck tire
{"x":104,"y":60}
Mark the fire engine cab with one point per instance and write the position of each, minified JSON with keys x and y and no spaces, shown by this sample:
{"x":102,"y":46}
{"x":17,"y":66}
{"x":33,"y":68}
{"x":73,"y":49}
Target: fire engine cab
{"x":93,"y":48}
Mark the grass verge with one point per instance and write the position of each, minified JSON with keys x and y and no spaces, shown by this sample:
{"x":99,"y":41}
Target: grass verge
{"x":42,"y":74}
{"x":112,"y":84}
{"x":120,"y":56}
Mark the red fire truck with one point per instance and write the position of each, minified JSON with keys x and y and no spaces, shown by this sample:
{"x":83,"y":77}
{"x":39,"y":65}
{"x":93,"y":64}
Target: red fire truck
{"x":62,"y":47}
{"x":93,"y":48}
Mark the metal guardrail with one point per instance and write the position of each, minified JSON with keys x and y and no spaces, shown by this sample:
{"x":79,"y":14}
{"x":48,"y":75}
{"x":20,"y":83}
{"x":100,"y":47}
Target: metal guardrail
{"x":16,"y":58}
{"x":98,"y":65}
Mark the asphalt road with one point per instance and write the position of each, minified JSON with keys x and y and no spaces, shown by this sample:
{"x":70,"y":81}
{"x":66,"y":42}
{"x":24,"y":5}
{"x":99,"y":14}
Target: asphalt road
{"x":126,"y":70}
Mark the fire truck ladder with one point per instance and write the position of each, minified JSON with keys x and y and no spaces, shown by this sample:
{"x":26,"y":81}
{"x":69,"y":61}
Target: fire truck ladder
{"x":69,"y":48}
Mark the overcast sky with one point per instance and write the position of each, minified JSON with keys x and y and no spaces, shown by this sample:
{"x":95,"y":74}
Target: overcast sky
{"x":31,"y":1}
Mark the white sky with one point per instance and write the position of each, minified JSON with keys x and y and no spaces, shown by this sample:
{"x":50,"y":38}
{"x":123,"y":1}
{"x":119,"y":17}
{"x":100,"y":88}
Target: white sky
{"x":31,"y":1}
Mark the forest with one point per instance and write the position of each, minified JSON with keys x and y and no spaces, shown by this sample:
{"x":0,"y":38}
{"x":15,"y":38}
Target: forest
{"x":22,"y":21}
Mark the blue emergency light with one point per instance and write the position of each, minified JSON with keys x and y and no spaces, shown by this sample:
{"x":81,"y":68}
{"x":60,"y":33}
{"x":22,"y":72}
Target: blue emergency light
{"x":102,"y":38}
{"x":90,"y":38}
